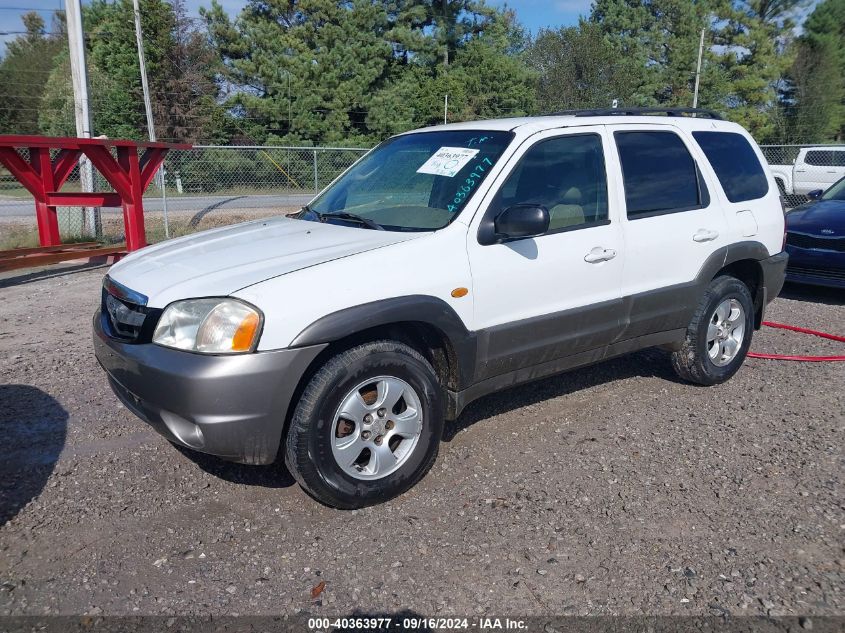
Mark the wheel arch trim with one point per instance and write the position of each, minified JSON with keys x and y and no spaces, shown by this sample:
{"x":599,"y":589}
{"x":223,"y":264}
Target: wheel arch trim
{"x":425,"y":309}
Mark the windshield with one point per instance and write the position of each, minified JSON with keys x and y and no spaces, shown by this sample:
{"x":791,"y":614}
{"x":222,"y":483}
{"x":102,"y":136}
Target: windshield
{"x":836,"y":191}
{"x":416,"y":182}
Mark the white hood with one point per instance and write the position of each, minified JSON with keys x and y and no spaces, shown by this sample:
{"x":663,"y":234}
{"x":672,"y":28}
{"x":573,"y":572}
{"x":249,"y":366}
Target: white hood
{"x":222,"y":261}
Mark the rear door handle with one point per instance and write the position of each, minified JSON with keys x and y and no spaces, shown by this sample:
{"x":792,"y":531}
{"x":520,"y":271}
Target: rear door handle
{"x":703,"y":235}
{"x":599,"y":254}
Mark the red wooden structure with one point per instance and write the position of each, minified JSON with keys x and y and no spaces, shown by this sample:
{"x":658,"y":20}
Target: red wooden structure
{"x":129,"y":174}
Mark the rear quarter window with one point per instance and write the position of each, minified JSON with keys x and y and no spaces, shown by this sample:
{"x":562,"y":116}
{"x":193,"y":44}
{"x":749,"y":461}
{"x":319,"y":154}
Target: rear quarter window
{"x":735,"y":163}
{"x":825,"y":158}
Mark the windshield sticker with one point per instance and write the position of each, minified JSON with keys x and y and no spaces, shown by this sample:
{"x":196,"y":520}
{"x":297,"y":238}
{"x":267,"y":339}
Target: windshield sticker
{"x":447,"y":161}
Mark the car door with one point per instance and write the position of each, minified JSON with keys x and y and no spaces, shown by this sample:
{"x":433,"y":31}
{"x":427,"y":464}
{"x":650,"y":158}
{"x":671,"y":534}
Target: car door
{"x":751,"y":204}
{"x":542,"y":298}
{"x":671,"y":223}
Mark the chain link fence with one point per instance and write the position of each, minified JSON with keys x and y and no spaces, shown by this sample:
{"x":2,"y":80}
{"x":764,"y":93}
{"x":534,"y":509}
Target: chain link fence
{"x":209,"y":186}
{"x":204,"y":187}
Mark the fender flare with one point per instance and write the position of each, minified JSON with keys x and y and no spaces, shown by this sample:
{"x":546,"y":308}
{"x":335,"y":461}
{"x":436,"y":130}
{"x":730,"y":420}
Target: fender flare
{"x":741,"y":251}
{"x":412,"y":308}
{"x":728,"y":255}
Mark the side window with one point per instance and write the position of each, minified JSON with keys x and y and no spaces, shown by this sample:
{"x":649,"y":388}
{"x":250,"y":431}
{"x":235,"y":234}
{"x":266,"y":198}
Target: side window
{"x":825,"y":158}
{"x":659,"y":173}
{"x":567,"y":176}
{"x":735,"y":163}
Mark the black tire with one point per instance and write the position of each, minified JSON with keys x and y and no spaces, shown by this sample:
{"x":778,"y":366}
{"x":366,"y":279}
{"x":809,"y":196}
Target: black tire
{"x":692,"y":362}
{"x":308,"y":447}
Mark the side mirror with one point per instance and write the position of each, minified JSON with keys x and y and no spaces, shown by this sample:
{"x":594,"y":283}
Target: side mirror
{"x":521,"y":220}
{"x":815,"y":194}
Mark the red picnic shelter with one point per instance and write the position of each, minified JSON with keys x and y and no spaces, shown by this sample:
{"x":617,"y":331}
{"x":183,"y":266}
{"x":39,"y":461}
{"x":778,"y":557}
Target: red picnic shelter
{"x":128,"y":166}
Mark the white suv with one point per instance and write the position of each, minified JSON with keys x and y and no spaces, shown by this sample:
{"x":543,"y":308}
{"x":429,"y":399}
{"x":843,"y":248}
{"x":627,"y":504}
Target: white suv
{"x":444,"y":265}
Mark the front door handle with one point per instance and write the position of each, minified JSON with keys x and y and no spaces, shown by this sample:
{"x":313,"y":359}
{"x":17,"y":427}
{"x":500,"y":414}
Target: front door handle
{"x":599,"y":254}
{"x":703,"y":235}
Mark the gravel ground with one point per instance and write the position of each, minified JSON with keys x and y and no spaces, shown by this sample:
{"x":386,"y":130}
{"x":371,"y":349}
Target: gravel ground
{"x":610,"y":490}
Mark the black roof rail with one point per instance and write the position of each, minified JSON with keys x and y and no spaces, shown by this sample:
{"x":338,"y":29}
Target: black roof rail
{"x":709,"y":114}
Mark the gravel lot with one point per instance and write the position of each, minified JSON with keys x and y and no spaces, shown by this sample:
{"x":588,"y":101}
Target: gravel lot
{"x":610,"y":490}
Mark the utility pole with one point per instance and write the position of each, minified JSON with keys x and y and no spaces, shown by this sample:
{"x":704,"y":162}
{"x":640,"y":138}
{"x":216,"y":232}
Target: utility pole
{"x":82,"y":113}
{"x":149,"y":109}
{"x":446,"y":109}
{"x":698,"y":69}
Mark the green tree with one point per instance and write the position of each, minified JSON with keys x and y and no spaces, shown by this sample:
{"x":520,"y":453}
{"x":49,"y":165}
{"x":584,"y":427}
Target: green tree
{"x":495,"y":77}
{"x":181,"y":68}
{"x":755,"y":37}
{"x":578,"y":68}
{"x":815,"y":93}
{"x":24,"y":70}
{"x":745,"y":55}
{"x":329,"y":71}
{"x":304,"y":70}
{"x":659,"y":40}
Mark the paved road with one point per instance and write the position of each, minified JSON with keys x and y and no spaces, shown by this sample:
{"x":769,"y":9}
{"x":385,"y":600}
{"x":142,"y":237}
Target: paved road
{"x":616,"y":489}
{"x":24,"y":208}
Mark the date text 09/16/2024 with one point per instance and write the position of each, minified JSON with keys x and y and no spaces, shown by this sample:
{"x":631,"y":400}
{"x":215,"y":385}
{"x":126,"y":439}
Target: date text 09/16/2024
{"x":416,"y":623}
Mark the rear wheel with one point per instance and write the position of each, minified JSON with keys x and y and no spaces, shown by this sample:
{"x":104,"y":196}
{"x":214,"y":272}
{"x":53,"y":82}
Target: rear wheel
{"x":719,"y":334}
{"x":367,"y":426}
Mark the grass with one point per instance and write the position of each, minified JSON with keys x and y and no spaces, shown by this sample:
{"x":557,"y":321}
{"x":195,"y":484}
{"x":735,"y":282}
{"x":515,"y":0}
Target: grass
{"x":27,"y":237}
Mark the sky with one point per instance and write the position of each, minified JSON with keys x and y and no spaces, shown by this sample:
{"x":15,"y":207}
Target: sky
{"x":533,"y":14}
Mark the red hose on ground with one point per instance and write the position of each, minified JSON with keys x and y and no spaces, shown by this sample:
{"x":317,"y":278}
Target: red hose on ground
{"x":804,"y":359}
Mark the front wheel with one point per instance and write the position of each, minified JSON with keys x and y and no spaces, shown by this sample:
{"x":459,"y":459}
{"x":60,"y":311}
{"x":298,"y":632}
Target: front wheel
{"x":367,"y":426}
{"x":719,"y":334}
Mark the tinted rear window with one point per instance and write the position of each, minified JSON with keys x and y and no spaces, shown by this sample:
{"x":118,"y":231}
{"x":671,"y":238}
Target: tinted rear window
{"x":660,"y":175}
{"x":735,"y":163}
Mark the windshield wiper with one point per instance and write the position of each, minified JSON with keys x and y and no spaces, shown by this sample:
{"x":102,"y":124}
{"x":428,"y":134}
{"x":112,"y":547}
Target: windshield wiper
{"x":343,"y":215}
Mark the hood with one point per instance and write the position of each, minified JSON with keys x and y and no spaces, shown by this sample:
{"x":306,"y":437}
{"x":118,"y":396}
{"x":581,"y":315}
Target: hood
{"x":222,"y":261}
{"x":818,"y":218}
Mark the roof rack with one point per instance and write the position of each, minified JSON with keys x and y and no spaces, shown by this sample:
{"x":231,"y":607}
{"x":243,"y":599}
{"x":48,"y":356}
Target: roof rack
{"x":709,"y":114}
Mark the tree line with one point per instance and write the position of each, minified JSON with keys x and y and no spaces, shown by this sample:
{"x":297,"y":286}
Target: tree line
{"x":352,"y":72}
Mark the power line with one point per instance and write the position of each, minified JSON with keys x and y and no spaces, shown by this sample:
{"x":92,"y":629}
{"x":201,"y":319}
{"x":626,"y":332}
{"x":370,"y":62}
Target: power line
{"x":30,"y":10}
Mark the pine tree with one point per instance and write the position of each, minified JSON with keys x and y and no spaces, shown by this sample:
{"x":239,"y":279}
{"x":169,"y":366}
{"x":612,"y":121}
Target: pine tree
{"x":578,"y":68}
{"x":815,"y":95}
{"x":24,"y":70}
{"x":325,"y":71}
{"x":181,"y":69}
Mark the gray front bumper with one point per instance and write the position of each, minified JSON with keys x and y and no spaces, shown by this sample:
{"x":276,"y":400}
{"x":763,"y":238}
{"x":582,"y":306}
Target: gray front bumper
{"x":230,"y":406}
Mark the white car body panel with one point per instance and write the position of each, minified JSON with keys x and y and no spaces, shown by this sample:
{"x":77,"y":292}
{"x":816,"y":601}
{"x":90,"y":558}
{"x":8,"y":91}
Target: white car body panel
{"x":433,"y":264}
{"x":221,"y":261}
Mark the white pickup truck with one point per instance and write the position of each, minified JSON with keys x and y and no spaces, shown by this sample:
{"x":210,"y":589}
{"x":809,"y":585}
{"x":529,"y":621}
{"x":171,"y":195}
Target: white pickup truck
{"x":814,"y":168}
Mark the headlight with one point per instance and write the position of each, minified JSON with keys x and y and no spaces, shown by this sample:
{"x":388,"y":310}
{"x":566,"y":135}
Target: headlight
{"x":210,"y":326}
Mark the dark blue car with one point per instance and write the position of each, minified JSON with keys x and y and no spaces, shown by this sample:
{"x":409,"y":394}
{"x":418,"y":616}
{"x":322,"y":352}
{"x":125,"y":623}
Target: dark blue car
{"x":815,"y":239}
